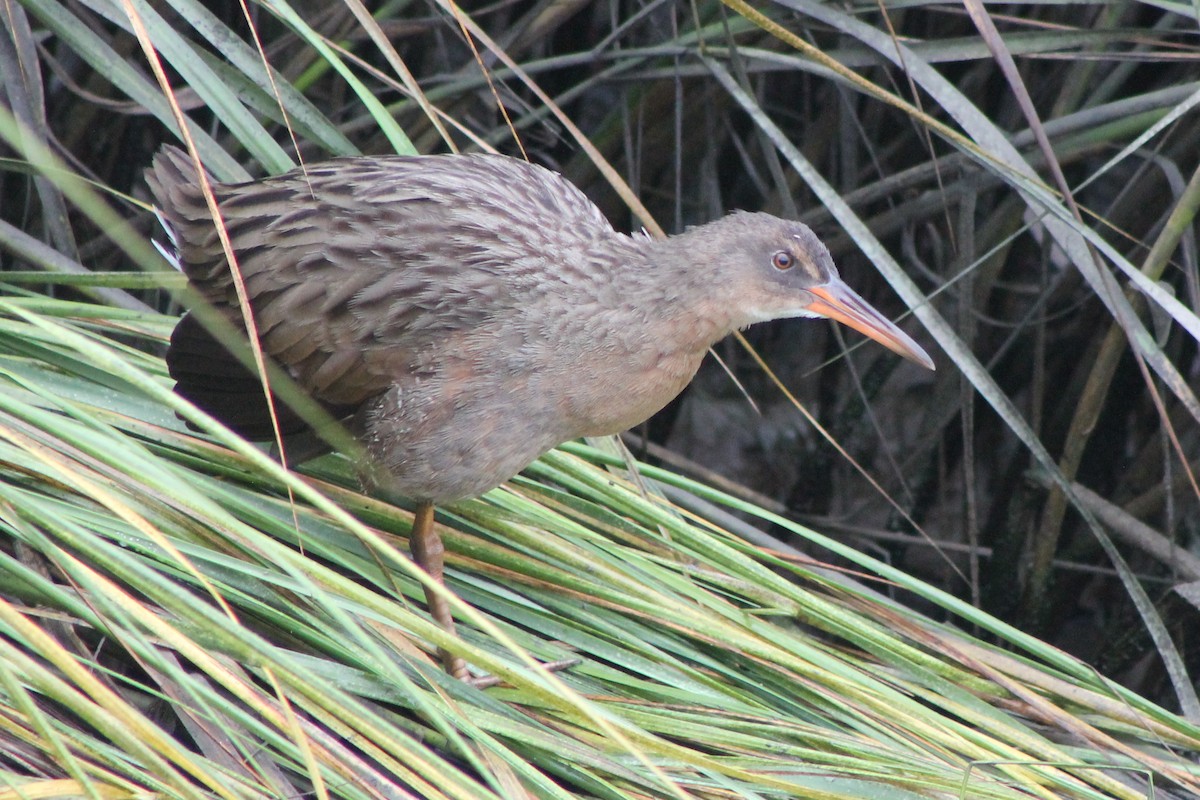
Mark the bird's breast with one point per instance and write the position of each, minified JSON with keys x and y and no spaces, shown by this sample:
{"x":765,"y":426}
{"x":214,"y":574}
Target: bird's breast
{"x":509,"y":391}
{"x":614,"y":388}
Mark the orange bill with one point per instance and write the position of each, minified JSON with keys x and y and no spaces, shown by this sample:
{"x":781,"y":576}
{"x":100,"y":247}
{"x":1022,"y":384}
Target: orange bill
{"x":837,"y":301}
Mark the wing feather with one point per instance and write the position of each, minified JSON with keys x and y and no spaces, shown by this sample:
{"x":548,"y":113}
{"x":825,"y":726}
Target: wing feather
{"x":354,"y":280}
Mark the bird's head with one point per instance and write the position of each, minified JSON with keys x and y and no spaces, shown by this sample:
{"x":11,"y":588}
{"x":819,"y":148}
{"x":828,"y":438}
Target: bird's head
{"x":773,"y":268}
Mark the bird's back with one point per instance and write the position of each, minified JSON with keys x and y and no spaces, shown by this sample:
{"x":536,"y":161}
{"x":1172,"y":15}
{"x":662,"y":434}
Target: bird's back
{"x":367,"y":273}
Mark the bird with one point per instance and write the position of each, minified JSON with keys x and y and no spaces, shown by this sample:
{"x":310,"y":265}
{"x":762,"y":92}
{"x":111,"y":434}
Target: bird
{"x":466,"y":313}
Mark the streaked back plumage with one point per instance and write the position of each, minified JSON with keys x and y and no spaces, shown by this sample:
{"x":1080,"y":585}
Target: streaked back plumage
{"x":354,"y":277}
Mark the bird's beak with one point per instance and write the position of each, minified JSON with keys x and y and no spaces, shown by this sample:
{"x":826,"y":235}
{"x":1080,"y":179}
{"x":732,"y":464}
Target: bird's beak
{"x":837,"y":301}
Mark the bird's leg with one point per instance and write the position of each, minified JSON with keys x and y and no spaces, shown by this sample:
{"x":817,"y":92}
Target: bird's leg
{"x":429,"y":554}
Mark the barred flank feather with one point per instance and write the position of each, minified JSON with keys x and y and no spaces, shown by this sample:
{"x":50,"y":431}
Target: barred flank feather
{"x":211,"y":378}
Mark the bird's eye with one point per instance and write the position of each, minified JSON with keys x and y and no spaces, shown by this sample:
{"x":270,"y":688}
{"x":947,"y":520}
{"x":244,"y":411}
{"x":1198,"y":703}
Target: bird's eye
{"x":783,"y":260}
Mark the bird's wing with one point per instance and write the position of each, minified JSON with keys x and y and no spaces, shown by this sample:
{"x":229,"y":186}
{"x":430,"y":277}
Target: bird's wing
{"x":361,"y":272}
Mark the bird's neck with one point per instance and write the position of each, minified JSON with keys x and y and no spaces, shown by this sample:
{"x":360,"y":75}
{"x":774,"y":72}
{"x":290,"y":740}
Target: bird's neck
{"x":648,"y":318}
{"x":700,"y":308}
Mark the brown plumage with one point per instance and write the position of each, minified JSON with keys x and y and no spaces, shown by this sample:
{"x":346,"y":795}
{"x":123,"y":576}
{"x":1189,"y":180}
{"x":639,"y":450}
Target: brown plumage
{"x":470,"y":312}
